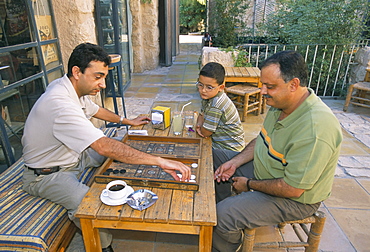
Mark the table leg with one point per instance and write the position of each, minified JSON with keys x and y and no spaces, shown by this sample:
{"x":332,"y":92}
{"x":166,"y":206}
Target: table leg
{"x":205,"y":238}
{"x":90,"y":235}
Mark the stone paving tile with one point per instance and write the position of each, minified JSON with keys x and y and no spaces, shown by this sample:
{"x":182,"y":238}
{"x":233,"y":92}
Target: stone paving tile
{"x":348,"y":193}
{"x":365,"y":183}
{"x":333,"y":238}
{"x":355,"y":224}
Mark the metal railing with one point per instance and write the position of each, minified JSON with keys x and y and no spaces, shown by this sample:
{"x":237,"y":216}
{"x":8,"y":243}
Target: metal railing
{"x":328,"y":65}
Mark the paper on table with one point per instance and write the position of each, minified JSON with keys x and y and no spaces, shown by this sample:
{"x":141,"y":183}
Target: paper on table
{"x":138,"y":132}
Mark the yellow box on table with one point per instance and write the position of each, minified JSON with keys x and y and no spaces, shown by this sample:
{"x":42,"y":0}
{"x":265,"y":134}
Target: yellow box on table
{"x":161,"y":117}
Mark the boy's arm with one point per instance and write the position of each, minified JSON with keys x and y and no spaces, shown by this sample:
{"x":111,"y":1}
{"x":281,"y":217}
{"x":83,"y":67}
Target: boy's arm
{"x":200,"y":129}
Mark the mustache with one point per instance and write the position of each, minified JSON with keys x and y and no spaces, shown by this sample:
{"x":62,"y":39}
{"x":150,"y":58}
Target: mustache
{"x":267,"y":96}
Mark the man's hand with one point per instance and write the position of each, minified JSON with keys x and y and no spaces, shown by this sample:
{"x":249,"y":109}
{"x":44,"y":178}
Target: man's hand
{"x":225,"y":171}
{"x":140,"y":120}
{"x":171,"y":166}
{"x":240,"y":184}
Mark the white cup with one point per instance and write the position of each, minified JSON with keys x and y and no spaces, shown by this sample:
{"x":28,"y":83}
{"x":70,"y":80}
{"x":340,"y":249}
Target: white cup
{"x":116,"y":189}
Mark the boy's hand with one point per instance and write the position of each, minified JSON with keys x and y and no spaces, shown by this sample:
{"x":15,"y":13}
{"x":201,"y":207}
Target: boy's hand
{"x":199,"y":130}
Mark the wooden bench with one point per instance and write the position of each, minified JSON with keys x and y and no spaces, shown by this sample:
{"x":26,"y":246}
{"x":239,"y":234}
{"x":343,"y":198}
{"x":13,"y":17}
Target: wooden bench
{"x":29,"y":223}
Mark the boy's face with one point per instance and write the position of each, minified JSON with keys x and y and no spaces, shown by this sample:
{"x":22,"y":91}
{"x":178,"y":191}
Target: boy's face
{"x":208,"y":87}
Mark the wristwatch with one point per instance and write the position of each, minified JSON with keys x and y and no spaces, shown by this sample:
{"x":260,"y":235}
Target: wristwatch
{"x":248,"y":187}
{"x":121,"y":119}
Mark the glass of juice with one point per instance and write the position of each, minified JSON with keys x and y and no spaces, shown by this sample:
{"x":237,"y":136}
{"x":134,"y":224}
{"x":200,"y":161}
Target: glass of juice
{"x":177,"y":123}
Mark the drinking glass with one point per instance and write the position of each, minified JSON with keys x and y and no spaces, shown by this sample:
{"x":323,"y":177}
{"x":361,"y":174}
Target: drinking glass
{"x":177,"y":123}
{"x":189,"y":119}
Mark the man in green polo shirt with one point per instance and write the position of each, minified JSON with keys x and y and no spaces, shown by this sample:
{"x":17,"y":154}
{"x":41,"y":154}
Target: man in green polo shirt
{"x":288,"y":170}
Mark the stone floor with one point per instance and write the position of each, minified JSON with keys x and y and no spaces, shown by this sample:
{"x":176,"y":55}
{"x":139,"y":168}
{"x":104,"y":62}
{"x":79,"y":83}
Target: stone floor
{"x":347,"y":226}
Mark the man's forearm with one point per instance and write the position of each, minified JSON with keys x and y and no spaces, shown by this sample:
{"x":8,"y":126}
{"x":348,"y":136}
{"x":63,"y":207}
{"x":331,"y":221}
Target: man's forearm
{"x":119,"y":151}
{"x":276,"y":187}
{"x":246,"y":155}
{"x":107,"y":115}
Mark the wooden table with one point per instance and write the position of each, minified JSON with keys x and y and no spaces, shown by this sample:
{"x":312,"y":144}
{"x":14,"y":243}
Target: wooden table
{"x":243,"y":74}
{"x":176,"y":211}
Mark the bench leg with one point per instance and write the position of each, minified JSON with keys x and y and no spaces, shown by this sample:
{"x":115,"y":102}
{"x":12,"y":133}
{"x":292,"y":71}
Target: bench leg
{"x":248,"y":240}
{"x":245,"y":107}
{"x":348,"y":98}
{"x":315,"y":232}
{"x":260,"y":105}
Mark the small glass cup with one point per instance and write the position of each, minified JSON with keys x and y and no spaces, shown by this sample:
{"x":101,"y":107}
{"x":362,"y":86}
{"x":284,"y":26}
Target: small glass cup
{"x":189,"y":119}
{"x":177,"y":123}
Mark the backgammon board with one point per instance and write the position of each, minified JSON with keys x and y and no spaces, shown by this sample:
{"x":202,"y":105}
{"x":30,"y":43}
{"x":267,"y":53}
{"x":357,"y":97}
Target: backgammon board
{"x":185,"y":150}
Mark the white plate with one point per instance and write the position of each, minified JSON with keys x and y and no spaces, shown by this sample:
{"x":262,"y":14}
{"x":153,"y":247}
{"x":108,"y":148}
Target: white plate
{"x":116,"y":202}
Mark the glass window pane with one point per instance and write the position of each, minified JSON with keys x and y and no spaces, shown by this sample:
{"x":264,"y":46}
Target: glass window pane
{"x":29,"y":93}
{"x":55,"y":75}
{"x":17,"y":65}
{"x":43,"y":19}
{"x":50,"y":54}
{"x":15,"y":23}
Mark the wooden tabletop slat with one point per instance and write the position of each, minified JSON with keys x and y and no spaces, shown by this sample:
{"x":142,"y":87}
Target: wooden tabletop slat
{"x":229,"y":71}
{"x":159,"y":211}
{"x":204,"y":202}
{"x":89,"y":205}
{"x":245,"y":71}
{"x":238,"y":72}
{"x":181,"y":207}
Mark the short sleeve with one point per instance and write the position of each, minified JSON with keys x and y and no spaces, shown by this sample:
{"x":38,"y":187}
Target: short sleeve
{"x":211,"y":119}
{"x":73,"y":129}
{"x":304,"y":168}
{"x":89,"y":107}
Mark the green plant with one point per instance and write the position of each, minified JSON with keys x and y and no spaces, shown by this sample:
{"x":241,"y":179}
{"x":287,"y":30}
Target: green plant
{"x":317,"y":22}
{"x":240,"y":57}
{"x":227,"y":20}
{"x":192,"y":14}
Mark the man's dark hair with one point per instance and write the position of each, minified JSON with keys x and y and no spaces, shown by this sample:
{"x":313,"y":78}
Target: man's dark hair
{"x":215,"y":71}
{"x":83,"y":54}
{"x":291,"y":64}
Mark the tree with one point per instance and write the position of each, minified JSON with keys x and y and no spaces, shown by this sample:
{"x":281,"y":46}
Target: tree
{"x":317,"y":21}
{"x":192,"y":14}
{"x":226,"y":20}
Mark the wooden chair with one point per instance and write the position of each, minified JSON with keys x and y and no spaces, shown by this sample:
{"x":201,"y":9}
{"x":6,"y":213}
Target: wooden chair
{"x":359,"y":93}
{"x":310,"y":240}
{"x":247,"y":98}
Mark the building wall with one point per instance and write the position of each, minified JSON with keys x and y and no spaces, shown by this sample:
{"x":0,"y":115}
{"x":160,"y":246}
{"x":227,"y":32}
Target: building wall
{"x":145,"y":35}
{"x":75,"y":23}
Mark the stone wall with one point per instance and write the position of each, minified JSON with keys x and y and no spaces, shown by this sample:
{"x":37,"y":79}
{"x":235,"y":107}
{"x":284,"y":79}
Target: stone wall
{"x":213,"y":54}
{"x":75,"y":24}
{"x":361,"y":62}
{"x":145,"y":35}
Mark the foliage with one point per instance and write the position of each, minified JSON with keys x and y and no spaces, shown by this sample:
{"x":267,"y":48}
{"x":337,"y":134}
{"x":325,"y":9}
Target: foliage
{"x":227,"y":19}
{"x":240,"y":57}
{"x":192,"y":14}
{"x":317,"y":21}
